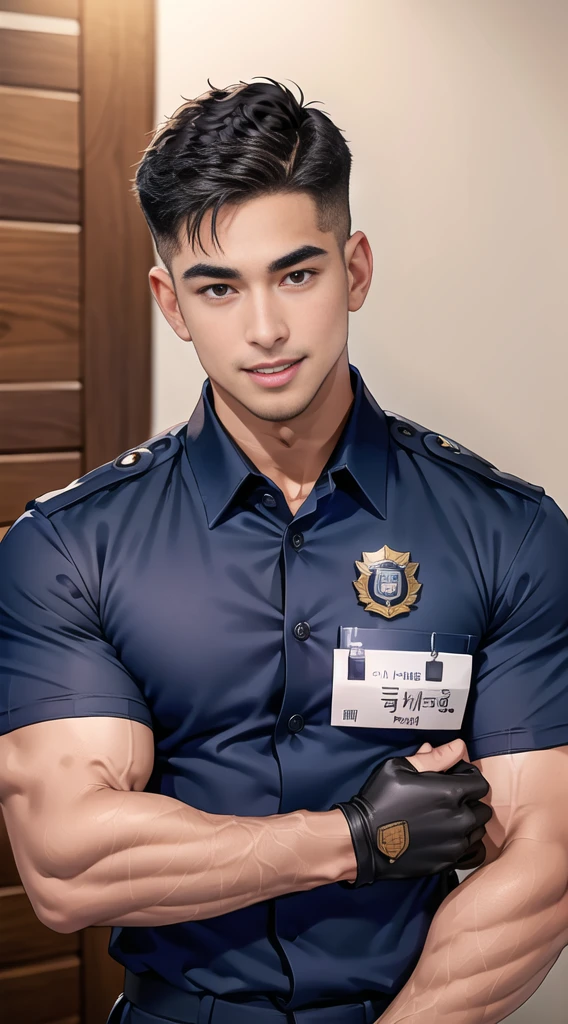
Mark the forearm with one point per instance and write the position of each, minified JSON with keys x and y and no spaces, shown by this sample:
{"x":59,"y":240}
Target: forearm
{"x":144,"y":859}
{"x":492,"y":941}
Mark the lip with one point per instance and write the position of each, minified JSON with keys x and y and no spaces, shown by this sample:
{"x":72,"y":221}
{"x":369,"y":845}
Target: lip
{"x":270,"y":366}
{"x":274,"y":380}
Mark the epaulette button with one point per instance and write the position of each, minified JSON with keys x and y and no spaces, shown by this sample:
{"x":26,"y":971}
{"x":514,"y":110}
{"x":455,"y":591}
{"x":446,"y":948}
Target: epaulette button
{"x":131,"y":458}
{"x":444,"y":442}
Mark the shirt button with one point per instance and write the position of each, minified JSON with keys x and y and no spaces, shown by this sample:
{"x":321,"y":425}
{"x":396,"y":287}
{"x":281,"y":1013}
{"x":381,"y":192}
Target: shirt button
{"x":295,"y":723}
{"x":302,"y":630}
{"x":298,"y":540}
{"x":268,"y":500}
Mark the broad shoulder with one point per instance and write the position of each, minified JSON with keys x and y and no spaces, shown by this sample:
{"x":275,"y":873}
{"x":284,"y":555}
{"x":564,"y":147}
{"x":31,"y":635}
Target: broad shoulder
{"x":129,"y":465}
{"x":441,"y":450}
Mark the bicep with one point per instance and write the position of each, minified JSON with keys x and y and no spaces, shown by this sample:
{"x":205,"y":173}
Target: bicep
{"x":519,"y":695}
{"x":72,"y":718}
{"x":527,"y":791}
{"x":47,"y":772}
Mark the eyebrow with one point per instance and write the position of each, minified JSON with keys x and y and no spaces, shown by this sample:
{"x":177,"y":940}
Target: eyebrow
{"x":305,"y":252}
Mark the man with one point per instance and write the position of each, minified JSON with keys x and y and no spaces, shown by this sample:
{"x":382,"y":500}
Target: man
{"x":221,"y":651}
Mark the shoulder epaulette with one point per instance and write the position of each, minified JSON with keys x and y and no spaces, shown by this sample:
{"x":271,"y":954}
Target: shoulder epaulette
{"x":130,"y":463}
{"x":421,"y":441}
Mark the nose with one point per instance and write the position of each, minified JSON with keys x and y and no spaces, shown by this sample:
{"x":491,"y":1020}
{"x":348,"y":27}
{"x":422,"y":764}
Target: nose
{"x":264,"y":323}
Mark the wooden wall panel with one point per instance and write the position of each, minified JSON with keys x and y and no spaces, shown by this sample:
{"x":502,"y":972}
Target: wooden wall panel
{"x":23,"y":477}
{"x":75,"y":307}
{"x":8,"y":870}
{"x":23,"y":938}
{"x":39,"y":302}
{"x":55,"y":8}
{"x":40,"y":418}
{"x":31,"y":192}
{"x":41,"y":993}
{"x":39,"y":59}
{"x":118,"y":58}
{"x":39,"y":126}
{"x":103,"y":977}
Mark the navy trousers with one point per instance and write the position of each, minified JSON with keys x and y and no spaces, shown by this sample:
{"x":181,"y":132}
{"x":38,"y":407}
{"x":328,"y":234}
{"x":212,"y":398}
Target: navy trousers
{"x":217,"y":1011}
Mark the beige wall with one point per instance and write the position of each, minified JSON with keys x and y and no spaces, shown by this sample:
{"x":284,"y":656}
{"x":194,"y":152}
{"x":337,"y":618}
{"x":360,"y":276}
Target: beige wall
{"x":456,"y":115}
{"x":455,"y":112}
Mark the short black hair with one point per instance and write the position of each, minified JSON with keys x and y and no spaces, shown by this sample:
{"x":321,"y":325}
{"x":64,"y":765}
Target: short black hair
{"x":233,"y":144}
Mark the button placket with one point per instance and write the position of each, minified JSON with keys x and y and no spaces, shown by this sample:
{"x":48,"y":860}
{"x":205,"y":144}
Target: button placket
{"x":292,"y":725}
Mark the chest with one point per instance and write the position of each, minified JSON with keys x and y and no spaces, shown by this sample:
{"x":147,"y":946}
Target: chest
{"x":216,"y":625}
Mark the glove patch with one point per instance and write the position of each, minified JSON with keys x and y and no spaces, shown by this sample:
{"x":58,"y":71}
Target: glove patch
{"x":393,"y":839}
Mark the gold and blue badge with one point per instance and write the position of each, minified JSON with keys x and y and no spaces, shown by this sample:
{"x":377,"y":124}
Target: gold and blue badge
{"x":387,"y":582}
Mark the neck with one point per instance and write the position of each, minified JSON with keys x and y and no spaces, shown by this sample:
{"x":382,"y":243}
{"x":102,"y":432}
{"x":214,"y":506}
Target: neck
{"x":293,"y":452}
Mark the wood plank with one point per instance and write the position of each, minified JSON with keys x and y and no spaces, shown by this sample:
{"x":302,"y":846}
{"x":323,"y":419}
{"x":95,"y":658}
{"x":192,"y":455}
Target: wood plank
{"x":3,"y":532}
{"x":34,"y":192}
{"x":23,"y":477}
{"x":39,"y":126}
{"x":23,"y":938}
{"x":103,"y":977}
{"x":40,"y":417}
{"x":41,"y":992}
{"x":39,"y":302}
{"x":53,"y":8}
{"x":117,"y":85}
{"x":8,"y":870}
{"x":39,"y":59}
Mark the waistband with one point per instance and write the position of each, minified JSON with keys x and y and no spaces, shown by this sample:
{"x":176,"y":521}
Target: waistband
{"x":152,"y":994}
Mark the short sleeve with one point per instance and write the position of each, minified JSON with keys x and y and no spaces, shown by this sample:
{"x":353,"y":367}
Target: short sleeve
{"x":519,"y":698}
{"x":54,"y":659}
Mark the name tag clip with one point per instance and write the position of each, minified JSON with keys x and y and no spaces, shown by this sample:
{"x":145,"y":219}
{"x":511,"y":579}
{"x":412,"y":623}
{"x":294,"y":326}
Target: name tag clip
{"x":434,"y":668}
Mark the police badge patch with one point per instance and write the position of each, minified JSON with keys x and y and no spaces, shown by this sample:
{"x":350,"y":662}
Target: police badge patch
{"x":387,"y":582}
{"x":393,"y":839}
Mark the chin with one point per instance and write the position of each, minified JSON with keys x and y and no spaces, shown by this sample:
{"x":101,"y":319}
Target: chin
{"x":278,"y":412}
{"x":275,"y":416}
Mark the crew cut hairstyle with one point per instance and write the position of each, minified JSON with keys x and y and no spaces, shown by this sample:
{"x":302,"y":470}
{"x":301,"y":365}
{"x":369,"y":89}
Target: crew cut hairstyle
{"x":234,"y":144}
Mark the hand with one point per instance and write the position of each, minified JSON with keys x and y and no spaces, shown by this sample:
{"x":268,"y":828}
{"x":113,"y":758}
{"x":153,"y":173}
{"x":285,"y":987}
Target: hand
{"x":432,"y":803}
{"x":476,"y":853}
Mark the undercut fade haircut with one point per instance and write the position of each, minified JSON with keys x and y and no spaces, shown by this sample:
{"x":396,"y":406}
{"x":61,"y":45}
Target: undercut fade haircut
{"x":234,"y":144}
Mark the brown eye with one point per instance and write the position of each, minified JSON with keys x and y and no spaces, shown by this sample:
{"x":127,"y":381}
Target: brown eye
{"x":293,"y":273}
{"x":208,"y":288}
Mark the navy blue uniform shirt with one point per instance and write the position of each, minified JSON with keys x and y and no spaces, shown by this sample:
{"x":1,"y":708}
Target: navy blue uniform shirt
{"x":176,"y":588}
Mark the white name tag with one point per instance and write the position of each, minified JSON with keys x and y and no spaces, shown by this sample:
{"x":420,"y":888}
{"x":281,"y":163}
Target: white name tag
{"x":397,"y":690}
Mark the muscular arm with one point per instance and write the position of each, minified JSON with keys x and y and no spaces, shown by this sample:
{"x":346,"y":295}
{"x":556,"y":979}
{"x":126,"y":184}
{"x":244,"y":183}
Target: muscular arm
{"x":496,"y":936}
{"x":93,"y":849}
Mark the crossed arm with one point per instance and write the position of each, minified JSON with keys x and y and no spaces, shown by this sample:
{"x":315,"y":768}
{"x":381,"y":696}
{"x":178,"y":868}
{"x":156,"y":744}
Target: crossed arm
{"x":496,"y":936}
{"x":92,"y":848}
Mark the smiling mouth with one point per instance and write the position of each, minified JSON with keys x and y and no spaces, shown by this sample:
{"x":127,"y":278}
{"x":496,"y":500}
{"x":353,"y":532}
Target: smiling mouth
{"x":268,"y":370}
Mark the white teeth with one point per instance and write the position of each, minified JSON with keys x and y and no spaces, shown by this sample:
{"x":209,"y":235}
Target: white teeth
{"x":275,"y":369}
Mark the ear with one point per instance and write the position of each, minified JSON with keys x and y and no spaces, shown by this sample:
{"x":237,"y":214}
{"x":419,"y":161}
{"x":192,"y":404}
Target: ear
{"x":164,"y":293}
{"x":359,"y":263}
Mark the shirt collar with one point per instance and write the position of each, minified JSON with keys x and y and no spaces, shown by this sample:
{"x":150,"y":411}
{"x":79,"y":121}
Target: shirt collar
{"x":221,"y":468}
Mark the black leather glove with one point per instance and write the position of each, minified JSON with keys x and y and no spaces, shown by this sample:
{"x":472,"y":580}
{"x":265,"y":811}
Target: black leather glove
{"x":408,"y":824}
{"x":476,"y":853}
